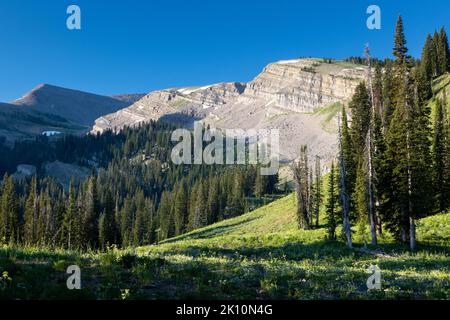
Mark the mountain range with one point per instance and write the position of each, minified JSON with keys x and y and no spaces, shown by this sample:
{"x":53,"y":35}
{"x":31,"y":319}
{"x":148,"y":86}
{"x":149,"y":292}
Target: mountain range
{"x":299,"y":97}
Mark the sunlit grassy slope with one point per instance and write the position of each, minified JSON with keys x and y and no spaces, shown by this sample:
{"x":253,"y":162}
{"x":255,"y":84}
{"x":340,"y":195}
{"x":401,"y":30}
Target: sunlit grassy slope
{"x":263,"y":254}
{"x":259,"y":255}
{"x":441,"y":88}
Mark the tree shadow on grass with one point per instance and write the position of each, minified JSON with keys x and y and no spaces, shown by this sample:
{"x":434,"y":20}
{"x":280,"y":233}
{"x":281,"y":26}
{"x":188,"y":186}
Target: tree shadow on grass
{"x":323,"y":249}
{"x":212,"y":232}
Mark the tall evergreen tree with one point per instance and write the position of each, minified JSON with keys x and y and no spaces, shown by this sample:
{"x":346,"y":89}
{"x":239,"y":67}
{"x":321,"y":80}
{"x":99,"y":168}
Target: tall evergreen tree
{"x":400,"y":50}
{"x":165,"y":214}
{"x":302,"y":188}
{"x":427,"y":58}
{"x":69,"y":223}
{"x":388,"y":95}
{"x":181,"y":209}
{"x":348,"y":155}
{"x":361,"y":114}
{"x":106,"y":223}
{"x":440,"y":157}
{"x":31,"y":213}
{"x":213,"y":201}
{"x":91,"y":214}
{"x":437,"y":55}
{"x":9,"y":209}
{"x":346,"y":227}
{"x":332,"y":204}
{"x":444,"y":52}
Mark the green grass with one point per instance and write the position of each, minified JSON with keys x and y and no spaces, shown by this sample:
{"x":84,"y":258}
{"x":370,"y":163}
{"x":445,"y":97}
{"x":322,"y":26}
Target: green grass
{"x":440,"y":85}
{"x":329,"y":113}
{"x":259,"y":255}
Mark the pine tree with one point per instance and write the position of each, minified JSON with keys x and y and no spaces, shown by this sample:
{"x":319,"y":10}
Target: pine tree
{"x":90,"y":217}
{"x":378,"y":89}
{"x":139,"y":223}
{"x":440,"y":157}
{"x":181,"y":208}
{"x":126,"y":222}
{"x":236,"y":204}
{"x":9,"y":208}
{"x":426,"y":60}
{"x":436,"y":55}
{"x":361,"y":117}
{"x":302,"y":188}
{"x":408,"y":153}
{"x":31,"y":213}
{"x":213,"y":201}
{"x":388,"y":95}
{"x":331,"y":206}
{"x":198,"y":213}
{"x":400,"y":50}
{"x":259,"y":185}
{"x":348,"y":156}
{"x":346,"y":227}
{"x":69,"y":223}
{"x":426,"y":67}
{"x":106,"y":223}
{"x":444,"y":52}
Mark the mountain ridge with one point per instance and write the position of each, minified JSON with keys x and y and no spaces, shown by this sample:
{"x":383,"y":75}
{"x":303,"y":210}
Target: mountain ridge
{"x":286,"y":95}
{"x":48,"y":107}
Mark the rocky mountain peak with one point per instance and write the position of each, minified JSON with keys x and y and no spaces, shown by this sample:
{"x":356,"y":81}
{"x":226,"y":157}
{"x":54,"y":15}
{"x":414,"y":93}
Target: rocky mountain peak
{"x":287,"y":95}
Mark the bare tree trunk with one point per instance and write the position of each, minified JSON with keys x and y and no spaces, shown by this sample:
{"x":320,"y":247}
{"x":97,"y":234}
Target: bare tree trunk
{"x":371,"y":215}
{"x":311,"y":202}
{"x":412,"y":226}
{"x":412,"y":233}
{"x":403,"y":228}
{"x":318,"y":191}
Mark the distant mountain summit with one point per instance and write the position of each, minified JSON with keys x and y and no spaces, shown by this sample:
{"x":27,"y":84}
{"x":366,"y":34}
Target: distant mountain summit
{"x":76,"y":106}
{"x":129,"y":98}
{"x":49,"y":108}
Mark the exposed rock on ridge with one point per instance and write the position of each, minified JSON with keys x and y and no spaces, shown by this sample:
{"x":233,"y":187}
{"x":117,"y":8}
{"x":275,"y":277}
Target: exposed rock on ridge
{"x":287,"y":96}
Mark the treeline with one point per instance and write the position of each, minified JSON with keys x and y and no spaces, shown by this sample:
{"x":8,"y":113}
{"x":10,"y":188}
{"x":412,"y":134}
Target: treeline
{"x":394,"y":164}
{"x":135,"y":195}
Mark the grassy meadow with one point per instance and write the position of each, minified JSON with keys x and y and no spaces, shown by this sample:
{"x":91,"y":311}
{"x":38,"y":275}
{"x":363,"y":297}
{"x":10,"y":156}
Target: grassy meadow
{"x":259,"y":255}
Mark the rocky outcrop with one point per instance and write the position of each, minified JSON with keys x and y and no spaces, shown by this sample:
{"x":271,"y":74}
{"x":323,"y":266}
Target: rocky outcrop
{"x":304,"y":85}
{"x":285,"y":96}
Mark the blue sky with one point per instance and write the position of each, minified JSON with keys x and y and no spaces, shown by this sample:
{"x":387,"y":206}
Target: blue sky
{"x":138,"y":46}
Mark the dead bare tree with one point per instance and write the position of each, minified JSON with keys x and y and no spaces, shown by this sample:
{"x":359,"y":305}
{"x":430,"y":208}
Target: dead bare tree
{"x":370,"y":152}
{"x":318,"y":191}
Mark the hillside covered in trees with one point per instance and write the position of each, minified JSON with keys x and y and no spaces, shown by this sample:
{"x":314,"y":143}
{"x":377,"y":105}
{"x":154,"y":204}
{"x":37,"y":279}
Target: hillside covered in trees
{"x":393,"y":165}
{"x":134,"y":196}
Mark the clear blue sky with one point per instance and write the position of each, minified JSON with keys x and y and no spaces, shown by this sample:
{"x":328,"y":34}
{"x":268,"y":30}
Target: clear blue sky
{"x":138,"y":46}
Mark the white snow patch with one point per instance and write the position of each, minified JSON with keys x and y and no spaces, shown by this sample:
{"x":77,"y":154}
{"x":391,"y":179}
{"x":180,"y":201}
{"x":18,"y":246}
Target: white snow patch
{"x":289,"y":61}
{"x":191,"y":90}
{"x":50,"y":133}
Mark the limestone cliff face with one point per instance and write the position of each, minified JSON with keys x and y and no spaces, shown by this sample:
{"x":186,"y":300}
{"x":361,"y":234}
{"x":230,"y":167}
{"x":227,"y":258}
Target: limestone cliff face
{"x":304,"y":85}
{"x":183,"y":105}
{"x":285,"y":96}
